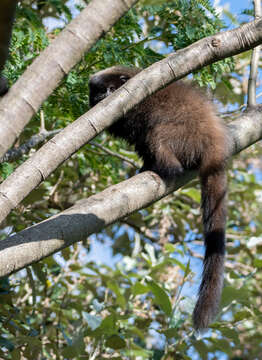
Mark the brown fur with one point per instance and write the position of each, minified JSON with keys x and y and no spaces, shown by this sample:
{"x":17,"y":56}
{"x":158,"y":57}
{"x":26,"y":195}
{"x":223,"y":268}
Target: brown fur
{"x":172,"y":130}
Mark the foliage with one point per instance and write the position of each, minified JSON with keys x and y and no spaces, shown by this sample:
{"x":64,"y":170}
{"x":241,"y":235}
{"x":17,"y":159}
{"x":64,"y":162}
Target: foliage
{"x":137,"y":304}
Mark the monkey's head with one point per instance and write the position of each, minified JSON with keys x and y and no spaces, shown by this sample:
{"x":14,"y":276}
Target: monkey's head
{"x":105,"y":82}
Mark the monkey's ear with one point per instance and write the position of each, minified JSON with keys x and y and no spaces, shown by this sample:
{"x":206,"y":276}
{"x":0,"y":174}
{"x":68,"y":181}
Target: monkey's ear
{"x":124,"y":78}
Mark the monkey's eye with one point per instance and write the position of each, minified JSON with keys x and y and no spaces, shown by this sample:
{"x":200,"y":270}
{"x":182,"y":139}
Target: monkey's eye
{"x":124,"y":78}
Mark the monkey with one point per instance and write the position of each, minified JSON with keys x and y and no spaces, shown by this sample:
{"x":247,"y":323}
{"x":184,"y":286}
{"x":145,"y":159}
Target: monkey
{"x":173,"y":130}
{"x":7,"y":17}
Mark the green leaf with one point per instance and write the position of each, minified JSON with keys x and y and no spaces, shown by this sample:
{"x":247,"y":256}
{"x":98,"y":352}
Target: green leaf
{"x":108,"y":327}
{"x":38,"y":270}
{"x":257,"y":263}
{"x":230,"y":333}
{"x":119,"y":297}
{"x":171,"y":332}
{"x":242,"y":315}
{"x":169,"y":247}
{"x":151,"y":252}
{"x":160,"y":297}
{"x":181,"y":265}
{"x":223,"y":345}
{"x":70,"y":352}
{"x":15,"y":354}
{"x":193,"y":193}
{"x":201,"y":348}
{"x":6,"y":169}
{"x":138,"y":289}
{"x":133,"y":330}
{"x":230,"y":294}
{"x":115,"y":342}
{"x":137,"y":352}
{"x":143,"y":323}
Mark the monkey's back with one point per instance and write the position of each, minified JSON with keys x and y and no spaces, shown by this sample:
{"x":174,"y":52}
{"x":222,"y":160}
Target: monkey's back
{"x":179,"y":117}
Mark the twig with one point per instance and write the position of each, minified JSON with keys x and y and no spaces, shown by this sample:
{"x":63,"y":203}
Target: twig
{"x":32,"y":283}
{"x":112,"y":153}
{"x":237,"y":111}
{"x":16,"y":153}
{"x":251,"y":100}
{"x":42,"y":122}
{"x":54,"y":188}
{"x":258,"y":95}
{"x":139,"y":230}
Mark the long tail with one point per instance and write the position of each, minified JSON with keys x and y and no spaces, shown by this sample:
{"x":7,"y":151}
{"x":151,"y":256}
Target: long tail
{"x":214,"y":189}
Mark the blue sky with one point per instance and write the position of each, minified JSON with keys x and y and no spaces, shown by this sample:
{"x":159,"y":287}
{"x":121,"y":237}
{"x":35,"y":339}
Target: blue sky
{"x":235,"y":6}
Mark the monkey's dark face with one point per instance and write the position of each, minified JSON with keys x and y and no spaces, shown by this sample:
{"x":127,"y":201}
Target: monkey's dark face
{"x":102,"y":85}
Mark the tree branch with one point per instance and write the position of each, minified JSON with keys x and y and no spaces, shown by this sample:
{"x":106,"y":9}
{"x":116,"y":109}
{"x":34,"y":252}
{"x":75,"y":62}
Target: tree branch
{"x":16,"y":153}
{"x":251,"y":100}
{"x":112,"y":153}
{"x":93,"y":214}
{"x":36,"y":169}
{"x":44,"y":74}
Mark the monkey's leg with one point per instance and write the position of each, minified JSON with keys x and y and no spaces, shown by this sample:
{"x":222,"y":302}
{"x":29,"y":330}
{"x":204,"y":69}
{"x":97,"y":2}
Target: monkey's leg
{"x":166,"y":163}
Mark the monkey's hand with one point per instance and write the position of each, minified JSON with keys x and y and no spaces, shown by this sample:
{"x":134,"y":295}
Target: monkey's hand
{"x":143,"y":168}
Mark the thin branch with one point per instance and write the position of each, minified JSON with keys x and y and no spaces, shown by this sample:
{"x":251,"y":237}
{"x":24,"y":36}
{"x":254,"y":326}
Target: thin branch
{"x":112,"y":153}
{"x":17,"y":153}
{"x":258,"y":95}
{"x":251,"y":100}
{"x":139,"y":230}
{"x":42,"y":121}
{"x":54,"y":188}
{"x":237,"y":111}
